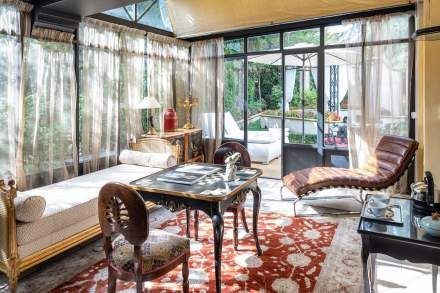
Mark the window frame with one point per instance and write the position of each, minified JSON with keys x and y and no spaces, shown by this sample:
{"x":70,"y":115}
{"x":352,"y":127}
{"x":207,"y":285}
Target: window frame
{"x":321,"y":24}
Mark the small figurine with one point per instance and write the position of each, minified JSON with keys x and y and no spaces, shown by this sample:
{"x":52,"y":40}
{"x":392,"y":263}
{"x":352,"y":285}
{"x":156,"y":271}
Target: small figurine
{"x":231,"y":168}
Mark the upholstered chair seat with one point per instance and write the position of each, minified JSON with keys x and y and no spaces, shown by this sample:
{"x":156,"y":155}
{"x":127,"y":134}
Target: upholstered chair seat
{"x":138,"y":253}
{"x":160,"y":248}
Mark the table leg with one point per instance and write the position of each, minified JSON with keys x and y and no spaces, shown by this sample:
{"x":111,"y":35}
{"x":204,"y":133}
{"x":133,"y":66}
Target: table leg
{"x":372,"y":270}
{"x":217,"y":224}
{"x":188,"y":223}
{"x":434,"y":278}
{"x":256,"y":210}
{"x":364,"y":255}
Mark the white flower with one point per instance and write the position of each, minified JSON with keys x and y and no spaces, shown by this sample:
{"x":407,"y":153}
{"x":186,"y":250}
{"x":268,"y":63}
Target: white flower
{"x":264,"y":248}
{"x":242,"y":277}
{"x":195,"y":245}
{"x":248,"y":261}
{"x":198,"y":276}
{"x":283,"y":222}
{"x":312,"y":234}
{"x":284,"y":285}
{"x":298,"y":259}
{"x":286,"y":241}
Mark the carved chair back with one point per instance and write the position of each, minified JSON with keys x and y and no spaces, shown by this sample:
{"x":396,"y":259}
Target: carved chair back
{"x":122,"y":210}
{"x":230,"y":148}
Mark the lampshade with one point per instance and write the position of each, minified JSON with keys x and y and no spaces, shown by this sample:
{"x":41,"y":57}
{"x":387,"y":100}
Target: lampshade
{"x":149,"y":103}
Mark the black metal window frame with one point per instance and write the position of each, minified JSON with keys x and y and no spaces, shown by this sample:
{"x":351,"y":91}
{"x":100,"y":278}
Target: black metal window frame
{"x":320,"y":50}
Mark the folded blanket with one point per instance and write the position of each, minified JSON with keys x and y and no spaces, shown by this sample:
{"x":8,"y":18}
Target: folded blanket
{"x":154,"y":160}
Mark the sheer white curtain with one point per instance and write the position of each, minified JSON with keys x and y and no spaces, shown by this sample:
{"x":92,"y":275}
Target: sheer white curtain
{"x":131,"y":85}
{"x":47,"y":148}
{"x":10,"y":61}
{"x":14,"y":24}
{"x":207,"y":86}
{"x":377,"y":84}
{"x":167,"y":71}
{"x":99,"y":90}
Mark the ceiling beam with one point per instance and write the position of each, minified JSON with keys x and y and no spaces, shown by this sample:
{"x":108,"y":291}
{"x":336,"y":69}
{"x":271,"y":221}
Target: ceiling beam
{"x":85,"y":7}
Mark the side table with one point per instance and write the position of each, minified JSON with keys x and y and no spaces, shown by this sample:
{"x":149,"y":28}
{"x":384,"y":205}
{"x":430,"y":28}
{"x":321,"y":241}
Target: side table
{"x":403,"y":242}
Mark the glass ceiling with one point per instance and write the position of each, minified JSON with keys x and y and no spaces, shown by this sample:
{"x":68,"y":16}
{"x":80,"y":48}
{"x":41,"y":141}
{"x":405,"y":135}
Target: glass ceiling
{"x":151,"y":12}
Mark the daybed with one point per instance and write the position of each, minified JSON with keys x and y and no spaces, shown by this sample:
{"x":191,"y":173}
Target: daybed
{"x":70,"y":215}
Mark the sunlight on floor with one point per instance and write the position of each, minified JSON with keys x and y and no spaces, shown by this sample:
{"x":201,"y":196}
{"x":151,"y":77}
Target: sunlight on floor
{"x":271,"y":170}
{"x":402,"y":276}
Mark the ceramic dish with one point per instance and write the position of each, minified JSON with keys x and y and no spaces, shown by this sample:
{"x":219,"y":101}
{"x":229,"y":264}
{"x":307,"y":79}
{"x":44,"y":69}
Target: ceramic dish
{"x":432,"y":227}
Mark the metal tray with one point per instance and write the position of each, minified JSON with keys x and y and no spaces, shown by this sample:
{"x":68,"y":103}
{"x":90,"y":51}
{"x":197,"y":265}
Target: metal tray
{"x":395,"y":218}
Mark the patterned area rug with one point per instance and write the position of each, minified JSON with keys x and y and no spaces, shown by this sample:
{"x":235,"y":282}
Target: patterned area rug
{"x":294,"y":250}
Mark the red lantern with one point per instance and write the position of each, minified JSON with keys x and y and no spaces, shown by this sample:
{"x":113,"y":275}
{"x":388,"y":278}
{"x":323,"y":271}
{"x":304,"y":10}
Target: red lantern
{"x":169,"y":120}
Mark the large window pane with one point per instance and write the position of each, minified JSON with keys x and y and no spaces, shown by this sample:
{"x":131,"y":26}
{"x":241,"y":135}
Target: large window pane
{"x":302,"y":39}
{"x":301,"y":91}
{"x":338,"y":65}
{"x":49,"y":140}
{"x":234,"y":98}
{"x":10,"y":53}
{"x":264,"y":43}
{"x":348,"y":33}
{"x":388,"y":28}
{"x":234,"y":46}
{"x":264,"y":110}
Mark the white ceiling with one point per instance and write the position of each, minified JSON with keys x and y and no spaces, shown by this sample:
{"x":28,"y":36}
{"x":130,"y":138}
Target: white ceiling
{"x":192,"y":18}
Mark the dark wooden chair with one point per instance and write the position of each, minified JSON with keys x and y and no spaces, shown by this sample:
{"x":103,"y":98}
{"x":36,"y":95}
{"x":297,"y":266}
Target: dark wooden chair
{"x":220,"y":155}
{"x":138,"y":253}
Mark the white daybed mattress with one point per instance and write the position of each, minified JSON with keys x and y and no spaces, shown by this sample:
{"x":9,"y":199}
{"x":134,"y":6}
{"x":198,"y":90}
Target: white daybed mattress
{"x":71,"y":206}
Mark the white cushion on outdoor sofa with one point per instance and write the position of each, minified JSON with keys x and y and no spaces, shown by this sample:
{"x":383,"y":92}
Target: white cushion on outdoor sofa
{"x":71,"y":206}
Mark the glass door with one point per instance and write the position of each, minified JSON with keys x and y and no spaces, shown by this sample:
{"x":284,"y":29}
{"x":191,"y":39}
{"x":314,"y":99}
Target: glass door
{"x":301,"y":116}
{"x":264,"y":112}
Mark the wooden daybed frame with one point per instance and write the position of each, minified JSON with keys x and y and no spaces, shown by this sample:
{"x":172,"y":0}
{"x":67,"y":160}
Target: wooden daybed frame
{"x":10,"y":261}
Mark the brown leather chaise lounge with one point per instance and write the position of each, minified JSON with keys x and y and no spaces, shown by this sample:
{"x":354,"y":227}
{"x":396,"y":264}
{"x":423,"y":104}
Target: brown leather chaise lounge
{"x":390,"y":160}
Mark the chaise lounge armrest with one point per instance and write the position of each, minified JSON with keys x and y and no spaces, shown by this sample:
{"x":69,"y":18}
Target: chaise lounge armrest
{"x":389,"y":162}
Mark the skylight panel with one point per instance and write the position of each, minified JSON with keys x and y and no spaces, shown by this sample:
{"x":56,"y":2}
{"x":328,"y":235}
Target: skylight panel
{"x":152,"y":13}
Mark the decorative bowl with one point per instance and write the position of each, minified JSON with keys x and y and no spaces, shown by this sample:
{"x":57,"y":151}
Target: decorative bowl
{"x":431,"y":226}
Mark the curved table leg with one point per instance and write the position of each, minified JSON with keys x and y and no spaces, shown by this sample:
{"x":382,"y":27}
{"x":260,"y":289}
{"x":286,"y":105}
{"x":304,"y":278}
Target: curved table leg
{"x":257,"y":201}
{"x":434,"y":278}
{"x":217,"y":224}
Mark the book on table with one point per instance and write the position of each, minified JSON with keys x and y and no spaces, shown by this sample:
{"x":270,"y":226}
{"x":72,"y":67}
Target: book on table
{"x":188,"y":174}
{"x":198,"y":169}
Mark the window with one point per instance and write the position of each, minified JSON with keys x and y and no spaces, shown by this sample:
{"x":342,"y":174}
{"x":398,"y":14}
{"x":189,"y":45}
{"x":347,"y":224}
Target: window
{"x":151,"y":13}
{"x":264,"y":43}
{"x":10,"y":60}
{"x":342,"y":34}
{"x":338,"y":64}
{"x":312,"y":86}
{"x":301,"y":86}
{"x":302,"y":39}
{"x":234,"y":46}
{"x":49,"y":139}
{"x":265,"y":94}
{"x":234,"y":98}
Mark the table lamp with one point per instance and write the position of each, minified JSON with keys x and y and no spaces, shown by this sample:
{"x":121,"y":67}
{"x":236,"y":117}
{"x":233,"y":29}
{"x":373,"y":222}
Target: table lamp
{"x":149,"y":103}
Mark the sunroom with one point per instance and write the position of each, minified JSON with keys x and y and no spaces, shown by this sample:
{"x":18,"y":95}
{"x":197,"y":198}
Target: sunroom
{"x":219,"y":146}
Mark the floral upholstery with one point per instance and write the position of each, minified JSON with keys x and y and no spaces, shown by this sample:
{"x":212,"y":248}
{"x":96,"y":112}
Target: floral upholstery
{"x":160,"y":248}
